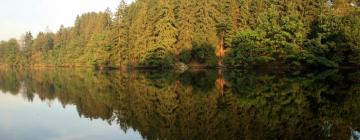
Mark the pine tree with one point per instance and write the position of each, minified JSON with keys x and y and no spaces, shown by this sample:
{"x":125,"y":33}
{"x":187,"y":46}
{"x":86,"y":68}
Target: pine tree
{"x":207,"y":15}
{"x":61,"y":37}
{"x":139,"y":36}
{"x":244,"y":14}
{"x":11,"y":50}
{"x":28,"y":40}
{"x":341,"y":7}
{"x":185,"y":18}
{"x":166,"y":32}
{"x":121,"y":35}
{"x":310,"y":10}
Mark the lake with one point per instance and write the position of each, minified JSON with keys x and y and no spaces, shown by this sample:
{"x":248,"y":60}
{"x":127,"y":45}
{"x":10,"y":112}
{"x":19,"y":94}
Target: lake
{"x":72,"y":104}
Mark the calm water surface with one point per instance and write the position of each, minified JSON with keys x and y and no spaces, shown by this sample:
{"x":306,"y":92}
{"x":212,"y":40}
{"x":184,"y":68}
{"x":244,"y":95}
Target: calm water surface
{"x":69,"y":104}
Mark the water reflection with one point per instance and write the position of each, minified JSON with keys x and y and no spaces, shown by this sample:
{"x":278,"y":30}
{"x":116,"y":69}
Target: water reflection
{"x":204,"y":104}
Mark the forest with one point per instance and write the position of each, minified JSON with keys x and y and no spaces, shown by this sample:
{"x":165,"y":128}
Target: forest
{"x":205,"y":33}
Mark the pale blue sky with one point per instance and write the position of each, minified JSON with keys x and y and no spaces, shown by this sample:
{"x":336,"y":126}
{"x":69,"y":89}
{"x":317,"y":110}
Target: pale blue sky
{"x":19,"y":16}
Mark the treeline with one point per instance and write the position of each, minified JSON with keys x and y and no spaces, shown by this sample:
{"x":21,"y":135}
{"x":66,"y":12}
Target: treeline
{"x":232,"y":33}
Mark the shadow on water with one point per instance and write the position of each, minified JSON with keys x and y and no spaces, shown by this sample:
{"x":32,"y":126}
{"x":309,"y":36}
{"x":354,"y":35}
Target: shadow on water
{"x":204,"y":104}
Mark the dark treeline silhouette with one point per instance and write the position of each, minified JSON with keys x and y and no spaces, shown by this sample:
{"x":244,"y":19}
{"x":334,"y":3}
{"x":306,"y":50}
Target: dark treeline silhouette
{"x":197,"y":105}
{"x":207,"y":33}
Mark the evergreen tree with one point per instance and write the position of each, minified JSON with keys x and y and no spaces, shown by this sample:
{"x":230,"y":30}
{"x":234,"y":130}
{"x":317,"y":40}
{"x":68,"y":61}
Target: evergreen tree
{"x":341,"y":7}
{"x":121,"y":34}
{"x":185,"y":18}
{"x":166,"y":32}
{"x":244,"y":14}
{"x":207,"y":15}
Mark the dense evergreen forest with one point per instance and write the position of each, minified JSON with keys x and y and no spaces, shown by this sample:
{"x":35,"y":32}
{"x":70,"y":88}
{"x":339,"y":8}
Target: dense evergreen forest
{"x":231,"y":33}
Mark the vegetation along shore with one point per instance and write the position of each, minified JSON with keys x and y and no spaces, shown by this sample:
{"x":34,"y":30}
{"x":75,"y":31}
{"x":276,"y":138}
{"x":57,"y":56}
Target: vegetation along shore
{"x":199,"y":33}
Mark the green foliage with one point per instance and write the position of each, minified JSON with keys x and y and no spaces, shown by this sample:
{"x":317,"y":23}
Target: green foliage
{"x":336,"y":41}
{"x":204,"y":53}
{"x":159,"y":58}
{"x":165,"y":27}
{"x":9,"y":51}
{"x":275,"y":37}
{"x":248,"y":49}
{"x":185,"y":16}
{"x":201,"y":54}
{"x":185,"y":56}
{"x":295,"y":32}
{"x":319,"y":54}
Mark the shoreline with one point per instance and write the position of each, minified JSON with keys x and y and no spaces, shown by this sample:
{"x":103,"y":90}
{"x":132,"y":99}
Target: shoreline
{"x":191,"y":67}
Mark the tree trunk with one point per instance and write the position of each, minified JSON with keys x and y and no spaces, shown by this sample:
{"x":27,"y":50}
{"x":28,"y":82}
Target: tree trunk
{"x":221,"y":50}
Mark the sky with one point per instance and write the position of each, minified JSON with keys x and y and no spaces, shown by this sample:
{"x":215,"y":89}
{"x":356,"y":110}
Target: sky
{"x":19,"y":16}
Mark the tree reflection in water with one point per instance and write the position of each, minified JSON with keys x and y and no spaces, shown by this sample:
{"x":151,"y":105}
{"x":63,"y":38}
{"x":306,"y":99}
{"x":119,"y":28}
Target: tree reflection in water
{"x":204,"y":104}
